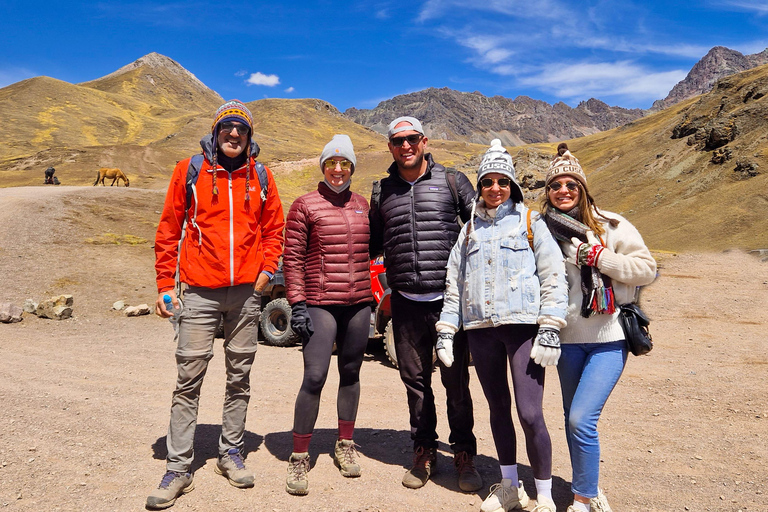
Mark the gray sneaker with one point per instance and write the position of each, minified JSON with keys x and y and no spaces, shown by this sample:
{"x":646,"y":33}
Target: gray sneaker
{"x":345,"y":458}
{"x":173,"y":485}
{"x":296,"y":482}
{"x":232,"y":466}
{"x":599,"y":503}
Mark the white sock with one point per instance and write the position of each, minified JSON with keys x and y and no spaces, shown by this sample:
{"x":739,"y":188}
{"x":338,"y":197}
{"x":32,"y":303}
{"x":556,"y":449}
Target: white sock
{"x":510,"y":472}
{"x":580,"y":507}
{"x":544,"y":488}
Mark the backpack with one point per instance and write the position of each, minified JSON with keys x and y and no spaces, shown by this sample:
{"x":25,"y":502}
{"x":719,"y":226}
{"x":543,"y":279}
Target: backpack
{"x":193,"y":172}
{"x":450,"y":179}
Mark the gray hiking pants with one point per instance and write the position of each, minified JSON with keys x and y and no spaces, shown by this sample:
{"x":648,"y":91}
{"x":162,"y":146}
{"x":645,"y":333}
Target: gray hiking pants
{"x":239,"y":306}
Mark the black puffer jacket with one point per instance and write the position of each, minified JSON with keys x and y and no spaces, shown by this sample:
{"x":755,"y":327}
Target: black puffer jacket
{"x":415,"y":226}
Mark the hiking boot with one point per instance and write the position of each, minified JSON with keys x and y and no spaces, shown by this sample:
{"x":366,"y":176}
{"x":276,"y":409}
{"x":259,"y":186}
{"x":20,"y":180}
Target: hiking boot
{"x":296,"y":482}
{"x":469,"y":478}
{"x":345,"y":458}
{"x":544,"y":504}
{"x":599,"y":503}
{"x":504,"y":496}
{"x":424,"y":465}
{"x":173,"y":485}
{"x":232,"y":466}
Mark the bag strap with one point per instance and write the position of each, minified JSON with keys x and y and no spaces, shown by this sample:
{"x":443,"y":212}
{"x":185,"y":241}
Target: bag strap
{"x":530,"y":231}
{"x":450,"y":179}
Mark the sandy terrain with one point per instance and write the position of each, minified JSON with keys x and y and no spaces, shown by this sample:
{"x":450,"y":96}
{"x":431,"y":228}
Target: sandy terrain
{"x":84,"y":402}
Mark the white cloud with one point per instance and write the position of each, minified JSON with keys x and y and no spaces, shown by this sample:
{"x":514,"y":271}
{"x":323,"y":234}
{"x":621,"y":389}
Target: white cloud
{"x":489,"y":49}
{"x":622,"y":78}
{"x":260,"y":78}
{"x":290,"y":90}
{"x":548,"y":9}
{"x":242,"y":72}
{"x":382,"y":14}
{"x":752,"y":5}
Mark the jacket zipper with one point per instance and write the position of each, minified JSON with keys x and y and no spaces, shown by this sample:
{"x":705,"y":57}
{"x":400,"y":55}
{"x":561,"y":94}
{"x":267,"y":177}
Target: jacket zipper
{"x":231,"y":234}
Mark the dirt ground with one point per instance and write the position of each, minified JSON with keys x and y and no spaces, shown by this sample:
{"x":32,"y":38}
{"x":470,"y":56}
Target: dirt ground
{"x":84,"y":402}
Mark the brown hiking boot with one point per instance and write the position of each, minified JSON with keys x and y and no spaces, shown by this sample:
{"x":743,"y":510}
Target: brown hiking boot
{"x":345,"y":458}
{"x":469,"y":478}
{"x":173,"y":485}
{"x":296,"y":482}
{"x":424,"y":466}
{"x":233,"y":467}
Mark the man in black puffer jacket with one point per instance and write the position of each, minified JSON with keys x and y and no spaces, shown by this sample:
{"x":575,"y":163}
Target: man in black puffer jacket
{"x":414,"y":222}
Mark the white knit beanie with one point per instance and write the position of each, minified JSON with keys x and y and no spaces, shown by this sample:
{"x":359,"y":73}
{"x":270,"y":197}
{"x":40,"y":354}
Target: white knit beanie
{"x":340,"y":145}
{"x":496,"y":159}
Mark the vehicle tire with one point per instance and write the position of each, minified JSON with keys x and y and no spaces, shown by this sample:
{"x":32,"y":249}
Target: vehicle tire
{"x":389,"y":346}
{"x":275,"y":324}
{"x":389,"y":343}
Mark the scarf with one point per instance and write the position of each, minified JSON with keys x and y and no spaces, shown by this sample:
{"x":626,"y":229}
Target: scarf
{"x":596,"y":289}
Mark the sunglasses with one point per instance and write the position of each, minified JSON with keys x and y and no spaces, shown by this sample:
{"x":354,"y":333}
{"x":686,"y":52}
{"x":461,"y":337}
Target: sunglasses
{"x":228,"y":126}
{"x":572,"y":186}
{"x":330,"y":164}
{"x":412,"y":140}
{"x":488,"y":182}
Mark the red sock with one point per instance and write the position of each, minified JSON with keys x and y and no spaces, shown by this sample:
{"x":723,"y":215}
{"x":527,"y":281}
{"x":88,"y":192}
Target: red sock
{"x":301,"y":442}
{"x":346,"y":429}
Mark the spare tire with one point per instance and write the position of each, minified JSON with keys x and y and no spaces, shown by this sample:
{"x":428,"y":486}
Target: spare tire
{"x":275,"y":324}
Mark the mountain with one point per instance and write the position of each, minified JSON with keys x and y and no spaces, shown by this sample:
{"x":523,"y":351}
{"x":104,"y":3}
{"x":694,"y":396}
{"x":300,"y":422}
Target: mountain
{"x":719,"y":62}
{"x":473,"y":117}
{"x":690,"y":177}
{"x":160,"y":82}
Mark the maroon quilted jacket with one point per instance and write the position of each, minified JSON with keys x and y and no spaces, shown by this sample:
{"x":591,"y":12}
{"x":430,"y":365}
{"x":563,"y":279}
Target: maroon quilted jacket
{"x":326,"y":249}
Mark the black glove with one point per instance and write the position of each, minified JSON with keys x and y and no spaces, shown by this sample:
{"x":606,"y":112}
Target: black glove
{"x":301,"y":323}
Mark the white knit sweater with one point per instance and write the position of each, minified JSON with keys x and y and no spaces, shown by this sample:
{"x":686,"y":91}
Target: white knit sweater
{"x":629,"y":264}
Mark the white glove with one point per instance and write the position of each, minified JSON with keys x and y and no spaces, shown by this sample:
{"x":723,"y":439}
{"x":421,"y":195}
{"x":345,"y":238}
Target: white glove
{"x":444,"y":348}
{"x":546,"y":347}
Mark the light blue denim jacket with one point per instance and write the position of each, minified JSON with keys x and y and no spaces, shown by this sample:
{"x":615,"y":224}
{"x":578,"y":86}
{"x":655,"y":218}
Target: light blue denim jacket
{"x":494,"y":278}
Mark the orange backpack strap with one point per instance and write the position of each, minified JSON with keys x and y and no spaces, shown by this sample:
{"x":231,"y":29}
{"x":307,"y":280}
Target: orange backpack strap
{"x":530,"y":231}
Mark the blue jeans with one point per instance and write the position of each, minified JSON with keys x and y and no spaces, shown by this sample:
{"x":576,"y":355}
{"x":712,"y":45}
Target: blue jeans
{"x":588,"y":373}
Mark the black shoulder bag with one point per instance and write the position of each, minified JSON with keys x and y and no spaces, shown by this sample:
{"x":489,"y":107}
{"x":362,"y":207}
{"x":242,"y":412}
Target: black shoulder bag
{"x":635,"y":325}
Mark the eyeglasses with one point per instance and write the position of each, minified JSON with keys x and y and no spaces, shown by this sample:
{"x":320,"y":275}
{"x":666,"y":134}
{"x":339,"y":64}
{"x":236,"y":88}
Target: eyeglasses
{"x":488,"y":182}
{"x":572,"y":186}
{"x":330,"y":164}
{"x":412,"y":140}
{"x":228,"y":126}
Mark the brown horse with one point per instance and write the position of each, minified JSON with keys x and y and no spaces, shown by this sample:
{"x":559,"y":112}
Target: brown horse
{"x":115,"y":174}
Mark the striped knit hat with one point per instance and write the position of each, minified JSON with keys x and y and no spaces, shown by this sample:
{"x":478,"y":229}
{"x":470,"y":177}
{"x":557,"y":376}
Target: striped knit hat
{"x":565,"y":164}
{"x":233,"y":110}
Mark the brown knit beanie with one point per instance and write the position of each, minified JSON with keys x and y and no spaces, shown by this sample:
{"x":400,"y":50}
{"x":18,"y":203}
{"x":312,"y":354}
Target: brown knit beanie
{"x":565,"y":164}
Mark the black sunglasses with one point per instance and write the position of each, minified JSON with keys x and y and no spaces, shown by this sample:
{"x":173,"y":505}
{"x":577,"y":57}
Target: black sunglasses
{"x":228,"y":126}
{"x":412,"y":140}
{"x":571,"y":185}
{"x":488,"y":182}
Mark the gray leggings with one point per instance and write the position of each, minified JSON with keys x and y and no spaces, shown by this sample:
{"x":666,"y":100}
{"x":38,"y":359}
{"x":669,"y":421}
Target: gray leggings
{"x":491,"y":348}
{"x":348,"y":326}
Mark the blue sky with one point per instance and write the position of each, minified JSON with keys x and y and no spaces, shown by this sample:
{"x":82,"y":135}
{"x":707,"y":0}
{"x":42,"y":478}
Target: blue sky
{"x":358,"y":53}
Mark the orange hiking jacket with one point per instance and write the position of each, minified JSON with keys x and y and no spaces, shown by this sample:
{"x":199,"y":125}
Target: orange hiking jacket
{"x":228,"y":241}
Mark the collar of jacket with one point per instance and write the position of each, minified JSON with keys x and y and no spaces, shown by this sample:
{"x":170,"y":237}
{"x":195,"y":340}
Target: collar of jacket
{"x":209,"y":146}
{"x":504,"y":209}
{"x":336,"y":198}
{"x":430,"y":164}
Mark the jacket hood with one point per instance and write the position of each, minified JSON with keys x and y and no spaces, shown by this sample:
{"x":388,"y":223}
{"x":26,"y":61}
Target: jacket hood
{"x":502,"y":210}
{"x":209,"y":146}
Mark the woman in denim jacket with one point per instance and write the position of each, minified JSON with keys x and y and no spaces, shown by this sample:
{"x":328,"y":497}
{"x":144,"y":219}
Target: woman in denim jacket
{"x":510,"y":296}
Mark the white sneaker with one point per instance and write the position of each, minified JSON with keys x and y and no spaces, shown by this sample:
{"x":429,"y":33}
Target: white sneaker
{"x":599,"y":503}
{"x":544,"y":504}
{"x":504,"y":497}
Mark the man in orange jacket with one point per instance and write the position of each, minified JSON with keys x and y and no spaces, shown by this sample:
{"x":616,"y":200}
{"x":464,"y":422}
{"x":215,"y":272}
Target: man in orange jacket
{"x":225,"y":244}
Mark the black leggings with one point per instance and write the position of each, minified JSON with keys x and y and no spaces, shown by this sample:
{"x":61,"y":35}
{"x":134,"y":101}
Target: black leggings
{"x":491,"y":348}
{"x":348,"y":326}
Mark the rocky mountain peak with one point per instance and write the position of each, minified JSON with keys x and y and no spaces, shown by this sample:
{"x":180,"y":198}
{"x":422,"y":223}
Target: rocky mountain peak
{"x":719,"y":62}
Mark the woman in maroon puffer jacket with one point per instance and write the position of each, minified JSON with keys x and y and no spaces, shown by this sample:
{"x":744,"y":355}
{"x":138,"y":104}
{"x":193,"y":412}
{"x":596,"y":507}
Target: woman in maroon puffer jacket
{"x":328,"y":284}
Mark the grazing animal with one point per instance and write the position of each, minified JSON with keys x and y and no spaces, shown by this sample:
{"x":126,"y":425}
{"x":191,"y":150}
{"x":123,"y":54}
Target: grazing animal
{"x":115,"y":174}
